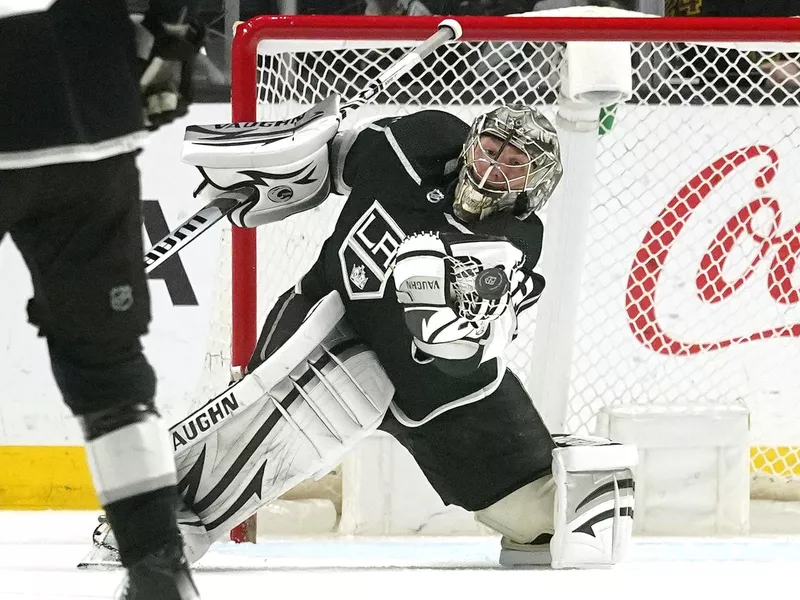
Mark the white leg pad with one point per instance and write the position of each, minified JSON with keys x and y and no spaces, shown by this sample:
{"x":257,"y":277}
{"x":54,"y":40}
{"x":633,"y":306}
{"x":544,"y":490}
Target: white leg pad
{"x":303,"y":426}
{"x":594,"y":501}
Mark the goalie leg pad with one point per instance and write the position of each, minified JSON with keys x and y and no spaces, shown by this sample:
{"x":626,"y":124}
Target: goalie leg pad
{"x":581,"y":516}
{"x":304,"y":424}
{"x":594,"y":501}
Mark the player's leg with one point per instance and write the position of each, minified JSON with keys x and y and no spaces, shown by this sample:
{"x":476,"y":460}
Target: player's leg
{"x":495,"y":457}
{"x":475,"y":455}
{"x":83,"y":245}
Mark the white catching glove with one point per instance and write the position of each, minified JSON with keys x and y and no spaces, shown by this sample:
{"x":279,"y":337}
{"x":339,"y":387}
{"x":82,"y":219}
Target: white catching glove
{"x":453,"y":289}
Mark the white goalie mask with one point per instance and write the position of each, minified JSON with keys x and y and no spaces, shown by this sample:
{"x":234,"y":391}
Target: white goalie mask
{"x":510,"y":161}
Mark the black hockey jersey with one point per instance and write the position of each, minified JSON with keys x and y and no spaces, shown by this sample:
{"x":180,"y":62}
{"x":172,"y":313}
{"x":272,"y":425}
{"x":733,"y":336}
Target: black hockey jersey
{"x":402,"y":173}
{"x":70,"y":89}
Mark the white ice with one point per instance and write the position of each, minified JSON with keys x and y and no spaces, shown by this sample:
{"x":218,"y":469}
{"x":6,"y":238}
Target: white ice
{"x":39,"y":551}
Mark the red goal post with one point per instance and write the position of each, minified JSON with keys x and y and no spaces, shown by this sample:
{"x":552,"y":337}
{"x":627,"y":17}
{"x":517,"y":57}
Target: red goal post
{"x":627,"y":167}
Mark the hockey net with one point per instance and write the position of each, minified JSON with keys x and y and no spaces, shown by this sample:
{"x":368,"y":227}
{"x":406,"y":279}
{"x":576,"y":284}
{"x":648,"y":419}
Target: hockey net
{"x":686,"y":265}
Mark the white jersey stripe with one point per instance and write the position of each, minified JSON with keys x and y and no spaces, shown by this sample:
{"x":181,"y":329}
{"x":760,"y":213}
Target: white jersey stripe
{"x":402,"y":157}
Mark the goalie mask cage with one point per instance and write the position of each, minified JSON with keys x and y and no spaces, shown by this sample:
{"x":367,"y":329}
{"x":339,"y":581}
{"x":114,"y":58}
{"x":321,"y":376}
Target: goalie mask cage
{"x":678,"y":283}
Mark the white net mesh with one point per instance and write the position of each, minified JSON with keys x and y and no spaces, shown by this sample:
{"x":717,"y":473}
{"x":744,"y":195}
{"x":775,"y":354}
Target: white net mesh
{"x":688,"y":293}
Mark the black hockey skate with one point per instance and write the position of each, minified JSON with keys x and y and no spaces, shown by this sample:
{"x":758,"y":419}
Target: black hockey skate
{"x":163,"y":575}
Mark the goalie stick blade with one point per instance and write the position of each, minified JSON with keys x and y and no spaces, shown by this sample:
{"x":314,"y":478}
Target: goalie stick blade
{"x":194,"y":226}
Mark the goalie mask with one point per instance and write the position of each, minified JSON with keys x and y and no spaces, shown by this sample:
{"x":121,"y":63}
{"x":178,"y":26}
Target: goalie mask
{"x":510,"y":161}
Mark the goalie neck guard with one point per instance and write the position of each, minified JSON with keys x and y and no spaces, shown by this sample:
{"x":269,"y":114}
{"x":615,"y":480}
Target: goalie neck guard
{"x":527,"y":130}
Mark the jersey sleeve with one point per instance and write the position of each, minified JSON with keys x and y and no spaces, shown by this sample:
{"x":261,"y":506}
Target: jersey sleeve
{"x":426,"y":144}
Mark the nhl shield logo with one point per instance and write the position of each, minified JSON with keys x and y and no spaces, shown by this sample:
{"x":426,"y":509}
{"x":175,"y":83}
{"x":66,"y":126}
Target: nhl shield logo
{"x":121,"y":298}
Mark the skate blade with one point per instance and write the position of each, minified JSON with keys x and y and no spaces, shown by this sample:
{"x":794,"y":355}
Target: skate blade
{"x":100,"y":559}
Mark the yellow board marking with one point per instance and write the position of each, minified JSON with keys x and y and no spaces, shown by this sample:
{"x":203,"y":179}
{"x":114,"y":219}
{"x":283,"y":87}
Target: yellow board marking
{"x":58,"y":478}
{"x":45,"y":477}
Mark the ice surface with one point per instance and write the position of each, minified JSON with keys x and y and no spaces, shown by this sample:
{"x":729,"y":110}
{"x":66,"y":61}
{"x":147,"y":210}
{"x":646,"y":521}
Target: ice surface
{"x":39,"y":551}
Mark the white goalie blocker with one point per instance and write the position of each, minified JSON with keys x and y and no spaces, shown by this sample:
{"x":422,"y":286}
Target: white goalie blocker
{"x":286,"y":161}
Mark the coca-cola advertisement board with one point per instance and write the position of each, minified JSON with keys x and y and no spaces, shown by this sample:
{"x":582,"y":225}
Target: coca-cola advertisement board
{"x":688,"y":290}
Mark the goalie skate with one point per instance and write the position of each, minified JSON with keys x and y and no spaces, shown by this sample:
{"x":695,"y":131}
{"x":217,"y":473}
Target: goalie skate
{"x":104,"y":554}
{"x":593,"y":508}
{"x":533,"y":554}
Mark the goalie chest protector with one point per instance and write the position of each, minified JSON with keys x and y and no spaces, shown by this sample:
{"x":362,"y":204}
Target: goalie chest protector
{"x":403,"y":173}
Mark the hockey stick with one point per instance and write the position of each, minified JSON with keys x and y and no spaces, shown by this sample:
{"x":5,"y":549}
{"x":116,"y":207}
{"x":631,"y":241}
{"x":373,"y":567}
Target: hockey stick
{"x":238,"y":141}
{"x":227,"y":202}
{"x":188,"y":231}
{"x":447,"y":31}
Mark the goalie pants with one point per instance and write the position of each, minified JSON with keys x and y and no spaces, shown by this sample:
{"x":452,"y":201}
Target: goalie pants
{"x":472,"y":455}
{"x":477,"y":454}
{"x":79,"y":228}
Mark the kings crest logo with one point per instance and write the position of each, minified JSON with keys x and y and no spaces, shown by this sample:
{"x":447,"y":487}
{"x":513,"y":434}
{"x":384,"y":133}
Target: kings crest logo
{"x":367,"y":253}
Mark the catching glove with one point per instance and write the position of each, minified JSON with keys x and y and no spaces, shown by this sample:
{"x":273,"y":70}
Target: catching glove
{"x":452,"y":291}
